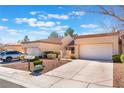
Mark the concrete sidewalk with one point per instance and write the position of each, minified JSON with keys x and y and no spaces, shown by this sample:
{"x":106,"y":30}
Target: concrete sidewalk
{"x":75,"y":74}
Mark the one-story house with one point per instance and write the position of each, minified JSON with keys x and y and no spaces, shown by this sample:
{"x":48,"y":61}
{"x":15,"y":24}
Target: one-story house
{"x":14,"y":46}
{"x":99,"y":46}
{"x":51,"y":44}
{"x":93,"y":46}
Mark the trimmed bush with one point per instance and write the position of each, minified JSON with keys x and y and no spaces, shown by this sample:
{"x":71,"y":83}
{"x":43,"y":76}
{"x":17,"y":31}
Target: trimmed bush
{"x":57,"y":54}
{"x":46,"y":52}
{"x":122,"y":58}
{"x":50,"y":52}
{"x":116,"y":58}
{"x":38,"y":62}
{"x":51,"y":56}
{"x":35,"y":59}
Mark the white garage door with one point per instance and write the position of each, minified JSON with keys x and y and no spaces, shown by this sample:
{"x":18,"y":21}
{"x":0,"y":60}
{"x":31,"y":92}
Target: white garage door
{"x":99,"y":51}
{"x":34,"y":51}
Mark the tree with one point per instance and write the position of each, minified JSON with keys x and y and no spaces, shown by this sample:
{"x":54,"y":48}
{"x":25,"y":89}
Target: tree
{"x":26,"y":39}
{"x":116,"y":12}
{"x":70,"y":32}
{"x":54,"y":35}
{"x":111,"y":11}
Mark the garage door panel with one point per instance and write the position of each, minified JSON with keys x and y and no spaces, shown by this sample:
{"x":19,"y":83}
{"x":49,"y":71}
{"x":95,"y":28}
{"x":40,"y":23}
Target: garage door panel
{"x":34,"y":51}
{"x":99,"y":51}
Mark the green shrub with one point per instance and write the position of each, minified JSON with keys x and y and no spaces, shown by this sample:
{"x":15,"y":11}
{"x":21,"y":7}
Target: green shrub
{"x":35,"y":59}
{"x":50,"y":52}
{"x":46,"y":52}
{"x":57,"y":53}
{"x":116,"y":58}
{"x":51,"y":56}
{"x":38,"y":62}
{"x":122,"y":58}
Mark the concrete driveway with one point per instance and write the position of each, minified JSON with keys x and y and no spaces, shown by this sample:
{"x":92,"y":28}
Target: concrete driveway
{"x":84,"y":73}
{"x":75,"y":74}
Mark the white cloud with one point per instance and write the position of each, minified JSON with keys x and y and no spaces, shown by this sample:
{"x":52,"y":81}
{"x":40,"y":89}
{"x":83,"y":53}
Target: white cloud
{"x":58,"y":23}
{"x":42,"y":17}
{"x":60,"y":28}
{"x":34,"y":12}
{"x":57,"y":16}
{"x":34,"y":22}
{"x":44,"y":28}
{"x":3,"y":27}
{"x":45,"y":15}
{"x":77,"y":13}
{"x":4,"y":19}
{"x":89,"y":26}
{"x":60,"y":7}
{"x":45,"y":24}
{"x":27,"y":20}
{"x":10,"y":31}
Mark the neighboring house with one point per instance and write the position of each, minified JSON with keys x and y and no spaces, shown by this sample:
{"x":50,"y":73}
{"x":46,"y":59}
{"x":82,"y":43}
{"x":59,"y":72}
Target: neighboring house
{"x":1,"y":47}
{"x":99,"y":46}
{"x":52,"y":44}
{"x":15,"y":46}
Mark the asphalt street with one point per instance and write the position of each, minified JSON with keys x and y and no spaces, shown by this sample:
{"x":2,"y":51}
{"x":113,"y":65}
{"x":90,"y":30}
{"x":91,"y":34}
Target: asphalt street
{"x":7,"y":84}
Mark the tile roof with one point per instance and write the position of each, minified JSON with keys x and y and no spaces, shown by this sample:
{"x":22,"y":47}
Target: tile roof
{"x":97,"y":35}
{"x":50,"y":40}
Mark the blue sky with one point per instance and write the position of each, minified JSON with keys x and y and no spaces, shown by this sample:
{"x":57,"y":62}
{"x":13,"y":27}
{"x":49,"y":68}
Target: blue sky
{"x":39,"y":21}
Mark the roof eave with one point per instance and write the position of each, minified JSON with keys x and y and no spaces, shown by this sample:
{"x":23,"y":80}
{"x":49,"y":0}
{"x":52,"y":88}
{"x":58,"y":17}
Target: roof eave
{"x":97,"y":35}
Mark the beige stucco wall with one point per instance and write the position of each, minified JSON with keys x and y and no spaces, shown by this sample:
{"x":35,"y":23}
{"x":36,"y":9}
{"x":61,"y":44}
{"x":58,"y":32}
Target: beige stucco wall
{"x":65,"y":41}
{"x":95,"y":40}
{"x":48,"y":46}
{"x":1,"y":48}
{"x":43,"y":46}
{"x":14,"y":47}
